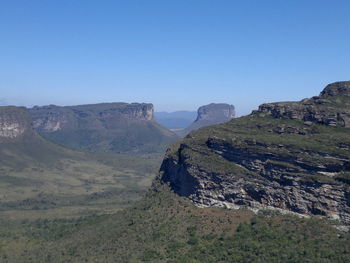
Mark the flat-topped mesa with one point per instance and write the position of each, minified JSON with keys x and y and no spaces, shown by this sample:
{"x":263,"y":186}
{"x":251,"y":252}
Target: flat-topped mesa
{"x":218,"y":112}
{"x":15,"y":122}
{"x":259,"y":162}
{"x":332,"y":107}
{"x":214,"y":113}
{"x":104,"y":127}
{"x":52,"y":118}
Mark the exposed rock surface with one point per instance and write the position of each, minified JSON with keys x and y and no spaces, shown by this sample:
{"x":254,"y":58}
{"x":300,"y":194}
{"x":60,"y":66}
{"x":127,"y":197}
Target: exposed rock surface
{"x":115,"y":127}
{"x":53,"y":118}
{"x":332,"y":107}
{"x":286,"y":156}
{"x":214,"y":113}
{"x":15,"y":122}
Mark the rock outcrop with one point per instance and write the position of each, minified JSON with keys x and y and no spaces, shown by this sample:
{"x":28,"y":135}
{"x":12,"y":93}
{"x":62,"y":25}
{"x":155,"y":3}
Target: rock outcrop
{"x":331,"y":107}
{"x":285,"y":156}
{"x":115,"y":127}
{"x":15,"y":123}
{"x":214,"y":113}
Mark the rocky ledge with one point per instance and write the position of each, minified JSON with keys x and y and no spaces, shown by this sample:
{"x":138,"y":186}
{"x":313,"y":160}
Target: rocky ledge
{"x":331,"y":107}
{"x":276,"y":158}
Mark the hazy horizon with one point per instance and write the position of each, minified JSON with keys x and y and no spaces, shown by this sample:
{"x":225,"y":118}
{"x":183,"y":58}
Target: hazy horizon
{"x":176,"y":55}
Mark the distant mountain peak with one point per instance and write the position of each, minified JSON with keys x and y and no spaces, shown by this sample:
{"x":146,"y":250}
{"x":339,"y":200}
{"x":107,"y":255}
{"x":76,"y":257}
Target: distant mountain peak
{"x":216,"y":112}
{"x":213,"y":113}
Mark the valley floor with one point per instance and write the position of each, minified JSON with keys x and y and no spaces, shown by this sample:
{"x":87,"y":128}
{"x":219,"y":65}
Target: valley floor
{"x":163,"y":227}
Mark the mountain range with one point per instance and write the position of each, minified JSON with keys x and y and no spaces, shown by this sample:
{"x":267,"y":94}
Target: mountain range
{"x":105,"y":127}
{"x":272,"y":186}
{"x":183,"y":122}
{"x":289,"y":156}
{"x":39,"y":178}
{"x":93,"y":158}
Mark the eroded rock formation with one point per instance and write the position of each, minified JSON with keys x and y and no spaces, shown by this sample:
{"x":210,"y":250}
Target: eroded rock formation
{"x":112,"y":127}
{"x":332,"y":107}
{"x":53,"y":118}
{"x":214,"y":113}
{"x":293,"y":157}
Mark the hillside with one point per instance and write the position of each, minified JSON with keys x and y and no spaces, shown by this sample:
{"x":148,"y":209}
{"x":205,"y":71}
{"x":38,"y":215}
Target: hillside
{"x":105,"y":127}
{"x":211,"y":114}
{"x":291,"y":156}
{"x":166,"y":228}
{"x":41,"y":179}
{"x":285,"y":178}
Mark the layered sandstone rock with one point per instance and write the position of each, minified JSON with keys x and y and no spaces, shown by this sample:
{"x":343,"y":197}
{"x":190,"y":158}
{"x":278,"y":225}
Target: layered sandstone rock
{"x":292,"y":157}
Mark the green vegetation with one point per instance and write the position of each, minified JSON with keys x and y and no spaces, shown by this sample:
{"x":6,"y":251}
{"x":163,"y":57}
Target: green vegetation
{"x":60,"y":205}
{"x":288,"y":145}
{"x":105,"y":127}
{"x":166,"y":228}
{"x":39,"y":179}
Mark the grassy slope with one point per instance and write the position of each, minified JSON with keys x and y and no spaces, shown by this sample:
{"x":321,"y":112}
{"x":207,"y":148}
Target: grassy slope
{"x":163,"y":227}
{"x":131,"y":138}
{"x":41,"y":179}
{"x":86,"y":129}
{"x":254,"y":133}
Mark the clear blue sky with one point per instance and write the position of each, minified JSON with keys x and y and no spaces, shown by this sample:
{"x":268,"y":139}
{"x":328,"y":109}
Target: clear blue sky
{"x":177,"y":54}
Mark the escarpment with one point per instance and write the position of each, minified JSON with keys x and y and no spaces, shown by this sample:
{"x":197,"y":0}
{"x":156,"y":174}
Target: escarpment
{"x":211,"y":114}
{"x":293,"y":157}
{"x":52,"y":118}
{"x":105,"y":127}
{"x":331,"y":107}
{"x":15,"y":123}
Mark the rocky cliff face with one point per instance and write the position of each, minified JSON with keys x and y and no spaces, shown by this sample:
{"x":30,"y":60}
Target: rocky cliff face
{"x":214,"y":113}
{"x":332,"y":107}
{"x":278,"y":158}
{"x":15,"y":122}
{"x":140,"y":112}
{"x":116,"y":127}
{"x":53,"y":118}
